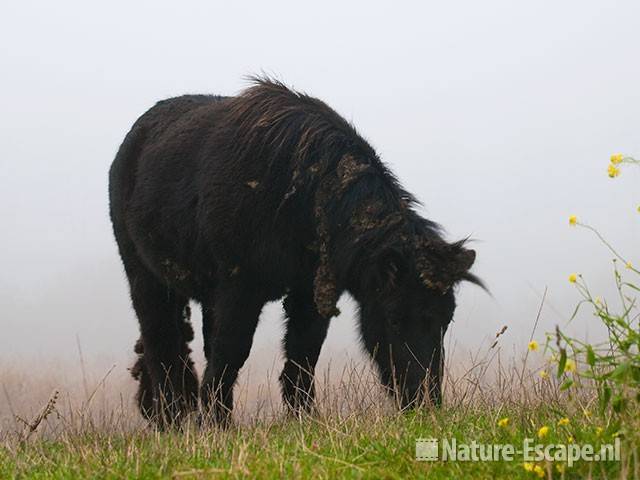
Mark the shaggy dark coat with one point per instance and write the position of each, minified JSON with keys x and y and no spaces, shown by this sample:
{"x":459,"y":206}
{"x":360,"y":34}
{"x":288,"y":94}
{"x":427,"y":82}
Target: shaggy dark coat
{"x":236,"y":201}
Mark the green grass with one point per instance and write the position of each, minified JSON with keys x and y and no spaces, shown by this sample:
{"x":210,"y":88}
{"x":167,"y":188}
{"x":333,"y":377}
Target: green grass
{"x":367,"y":444}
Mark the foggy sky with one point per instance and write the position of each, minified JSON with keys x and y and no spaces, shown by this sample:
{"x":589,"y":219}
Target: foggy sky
{"x":499,"y":116}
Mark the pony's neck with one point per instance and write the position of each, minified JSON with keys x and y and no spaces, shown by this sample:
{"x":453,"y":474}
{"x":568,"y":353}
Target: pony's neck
{"x":363,"y":218}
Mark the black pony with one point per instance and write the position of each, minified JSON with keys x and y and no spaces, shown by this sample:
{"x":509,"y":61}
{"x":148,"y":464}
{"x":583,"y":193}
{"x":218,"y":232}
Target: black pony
{"x":236,"y":201}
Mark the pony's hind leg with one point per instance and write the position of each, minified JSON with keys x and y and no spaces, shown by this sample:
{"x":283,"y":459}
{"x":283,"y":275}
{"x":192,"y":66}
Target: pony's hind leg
{"x":168,"y":385}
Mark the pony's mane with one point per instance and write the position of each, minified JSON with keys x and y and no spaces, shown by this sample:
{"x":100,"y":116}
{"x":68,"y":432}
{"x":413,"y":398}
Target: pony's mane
{"x":275,"y":122}
{"x":336,"y":171}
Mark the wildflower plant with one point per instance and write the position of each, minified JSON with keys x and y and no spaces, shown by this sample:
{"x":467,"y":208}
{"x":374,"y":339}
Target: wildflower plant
{"x":616,"y":161}
{"x":613,"y":365}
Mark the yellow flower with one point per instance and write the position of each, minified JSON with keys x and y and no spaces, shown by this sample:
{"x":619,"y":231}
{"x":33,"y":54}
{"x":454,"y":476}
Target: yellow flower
{"x":573,"y":278}
{"x":533,"y":345}
{"x":538,"y":470}
{"x":543,"y":431}
{"x":503,"y":422}
{"x":560,"y":467}
{"x":570,"y":439}
{"x":543,"y":374}
{"x":570,"y":366}
{"x":528,"y":466}
{"x":573,"y":220}
{"x":599,"y":431}
{"x":613,"y":171}
{"x":628,"y":265}
{"x":563,"y":422}
{"x":616,"y":158}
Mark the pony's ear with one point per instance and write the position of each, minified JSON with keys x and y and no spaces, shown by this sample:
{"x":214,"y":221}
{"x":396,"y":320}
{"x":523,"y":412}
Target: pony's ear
{"x":465,"y":259}
{"x":441,"y":265}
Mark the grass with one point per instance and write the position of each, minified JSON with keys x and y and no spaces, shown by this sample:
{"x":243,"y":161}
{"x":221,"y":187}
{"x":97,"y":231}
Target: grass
{"x":359,"y":446}
{"x":355,"y":434}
